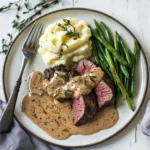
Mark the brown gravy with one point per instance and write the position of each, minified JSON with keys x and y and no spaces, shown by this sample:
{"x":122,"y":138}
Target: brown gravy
{"x":55,"y":118}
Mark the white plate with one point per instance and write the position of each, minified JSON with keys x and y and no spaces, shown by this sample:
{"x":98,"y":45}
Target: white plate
{"x":13,"y":63}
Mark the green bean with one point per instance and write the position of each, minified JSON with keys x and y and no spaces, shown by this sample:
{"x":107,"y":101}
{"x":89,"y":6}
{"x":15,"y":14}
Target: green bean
{"x":94,"y":51}
{"x":122,"y":67}
{"x":102,"y":63}
{"x":117,"y":94}
{"x":118,"y":81}
{"x":102,"y":48}
{"x":118,"y":48}
{"x":126,"y":84}
{"x":107,"y":33}
{"x":121,"y":75}
{"x":98,"y":28}
{"x":124,"y":71}
{"x":109,"y":47}
{"x":106,"y":70}
{"x":136,"y":50}
{"x":108,"y":37}
{"x":112,"y":50}
{"x":133,"y":70}
{"x":99,"y":44}
{"x":116,"y":44}
{"x":102,"y":53}
{"x":94,"y":32}
{"x":126,"y":51}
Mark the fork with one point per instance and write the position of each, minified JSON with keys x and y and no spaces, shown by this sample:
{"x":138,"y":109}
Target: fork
{"x":29,"y":49}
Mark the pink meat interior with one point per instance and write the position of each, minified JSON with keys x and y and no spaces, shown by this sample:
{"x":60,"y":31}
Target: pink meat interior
{"x":78,"y":108}
{"x":85,"y":66}
{"x":103,"y":92}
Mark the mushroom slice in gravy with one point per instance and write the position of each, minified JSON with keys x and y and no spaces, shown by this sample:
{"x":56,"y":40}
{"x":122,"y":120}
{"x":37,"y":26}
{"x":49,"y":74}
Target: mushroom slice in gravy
{"x":58,"y":80}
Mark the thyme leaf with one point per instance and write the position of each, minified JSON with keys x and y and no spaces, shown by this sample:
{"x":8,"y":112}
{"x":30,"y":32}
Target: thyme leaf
{"x":33,"y":93}
{"x":69,"y":32}
{"x":79,"y":80}
{"x":63,"y":43}
{"x":68,"y":23}
{"x":47,"y":86}
{"x":66,"y":92}
{"x":40,"y":76}
{"x":60,"y":53}
{"x":45,"y":123}
{"x":8,"y":6}
{"x":60,"y":75}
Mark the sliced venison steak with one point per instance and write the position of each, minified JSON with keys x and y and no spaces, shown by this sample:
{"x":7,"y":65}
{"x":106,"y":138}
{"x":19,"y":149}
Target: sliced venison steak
{"x":49,"y":73}
{"x":84,"y":109}
{"x":105,"y":93}
{"x":104,"y":90}
{"x":85,"y":66}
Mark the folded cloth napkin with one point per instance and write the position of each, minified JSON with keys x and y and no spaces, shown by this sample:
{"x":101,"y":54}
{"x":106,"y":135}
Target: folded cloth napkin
{"x":18,"y":139}
{"x":145,"y":124}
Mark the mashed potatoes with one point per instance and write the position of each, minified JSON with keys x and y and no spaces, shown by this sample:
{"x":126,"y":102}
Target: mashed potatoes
{"x":64,"y":42}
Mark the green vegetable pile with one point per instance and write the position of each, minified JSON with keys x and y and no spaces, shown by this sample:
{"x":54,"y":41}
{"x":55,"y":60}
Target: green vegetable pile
{"x":116,"y":60}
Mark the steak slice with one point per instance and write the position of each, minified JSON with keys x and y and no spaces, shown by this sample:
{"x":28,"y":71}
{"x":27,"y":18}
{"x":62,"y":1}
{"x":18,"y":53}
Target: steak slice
{"x":104,"y":90}
{"x":85,"y":66}
{"x":49,"y":73}
{"x":84,"y":109}
{"x":105,"y":93}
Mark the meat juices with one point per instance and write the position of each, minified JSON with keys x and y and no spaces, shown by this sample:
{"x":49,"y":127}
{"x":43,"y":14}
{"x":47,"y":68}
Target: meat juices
{"x":56,"y":118}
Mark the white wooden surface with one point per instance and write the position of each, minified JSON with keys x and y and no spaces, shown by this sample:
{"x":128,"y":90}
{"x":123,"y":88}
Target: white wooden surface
{"x":135,"y":14}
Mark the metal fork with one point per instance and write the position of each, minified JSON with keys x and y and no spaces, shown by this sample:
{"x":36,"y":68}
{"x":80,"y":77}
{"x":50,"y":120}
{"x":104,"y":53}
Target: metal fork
{"x":28,"y":51}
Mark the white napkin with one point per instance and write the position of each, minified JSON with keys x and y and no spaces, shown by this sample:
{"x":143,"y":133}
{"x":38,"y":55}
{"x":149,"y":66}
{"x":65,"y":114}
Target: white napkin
{"x":145,"y":124}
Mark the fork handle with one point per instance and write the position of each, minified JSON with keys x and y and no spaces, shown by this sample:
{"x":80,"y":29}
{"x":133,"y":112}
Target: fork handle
{"x":7,"y":116}
{"x":6,"y":119}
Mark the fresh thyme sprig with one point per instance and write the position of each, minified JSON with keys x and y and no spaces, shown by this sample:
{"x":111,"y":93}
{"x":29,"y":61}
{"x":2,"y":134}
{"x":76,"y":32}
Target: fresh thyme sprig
{"x":35,"y":7}
{"x":6,"y":43}
{"x":69,"y":32}
{"x":42,"y":3}
{"x":4,"y":8}
{"x":19,"y":24}
{"x":68,"y":23}
{"x":60,"y":53}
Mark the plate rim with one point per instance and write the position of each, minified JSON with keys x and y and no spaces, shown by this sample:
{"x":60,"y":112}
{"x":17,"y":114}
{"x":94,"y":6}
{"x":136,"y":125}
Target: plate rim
{"x":91,"y":10}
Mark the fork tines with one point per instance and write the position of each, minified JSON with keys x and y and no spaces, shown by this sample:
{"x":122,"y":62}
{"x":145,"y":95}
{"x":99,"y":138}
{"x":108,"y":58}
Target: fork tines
{"x":33,"y":36}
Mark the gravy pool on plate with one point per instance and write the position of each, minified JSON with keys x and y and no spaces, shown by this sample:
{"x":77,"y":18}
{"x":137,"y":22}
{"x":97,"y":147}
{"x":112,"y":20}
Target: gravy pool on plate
{"x":55,"y":118}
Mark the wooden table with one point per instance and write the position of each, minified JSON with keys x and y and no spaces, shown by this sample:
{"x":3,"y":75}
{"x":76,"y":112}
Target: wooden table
{"x":135,"y":14}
